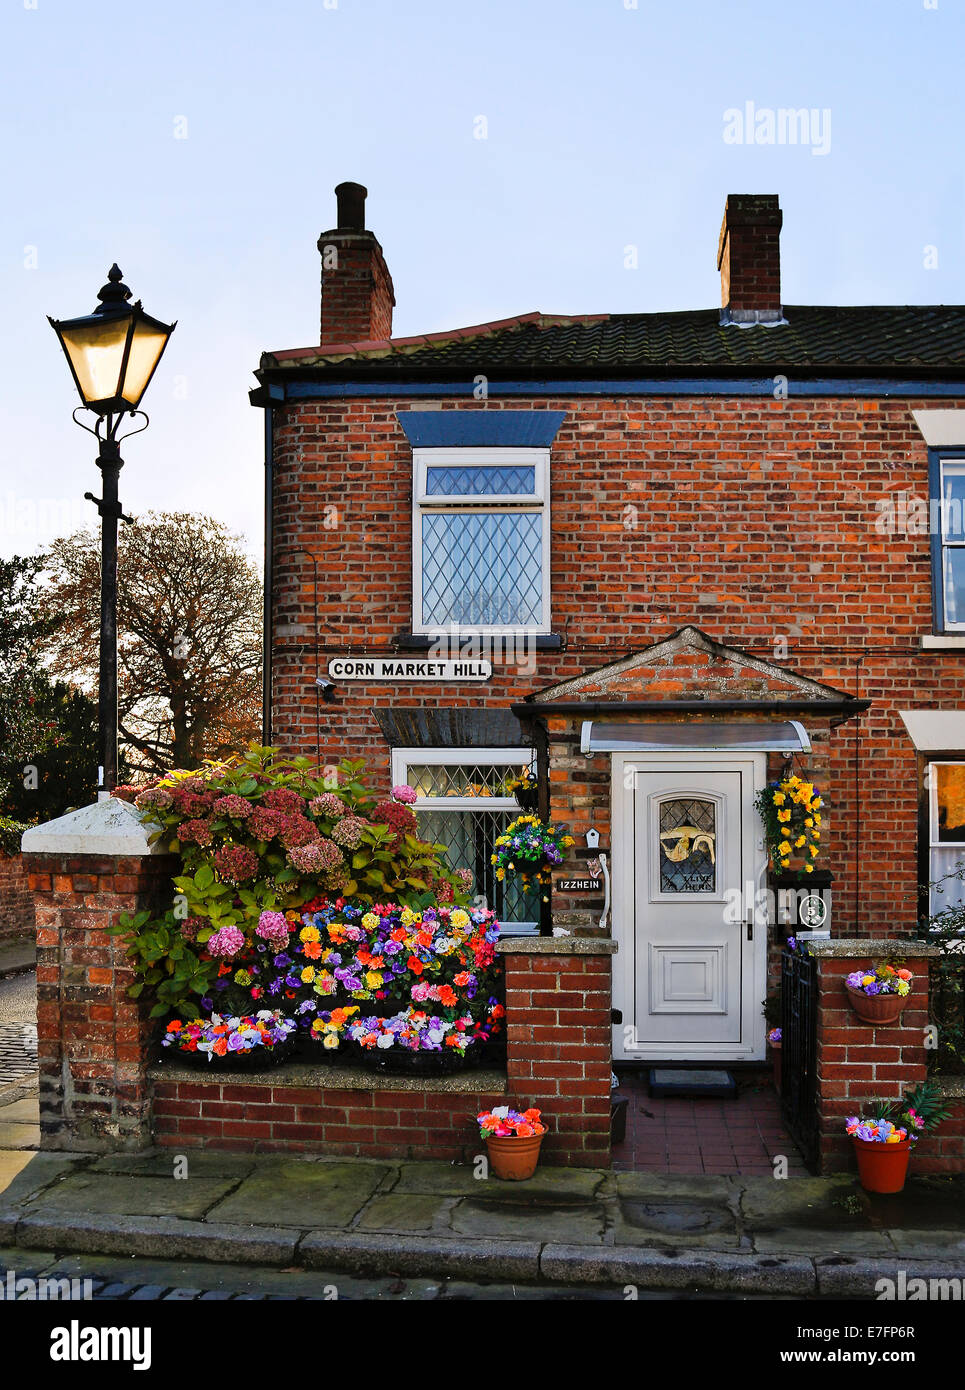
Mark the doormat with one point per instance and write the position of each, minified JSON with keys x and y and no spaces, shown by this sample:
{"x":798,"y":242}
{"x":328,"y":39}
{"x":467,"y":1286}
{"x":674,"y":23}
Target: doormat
{"x":679,"y":1082}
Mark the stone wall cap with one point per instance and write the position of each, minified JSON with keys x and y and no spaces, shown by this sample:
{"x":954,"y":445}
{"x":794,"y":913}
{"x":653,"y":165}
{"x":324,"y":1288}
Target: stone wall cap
{"x":869,"y":947}
{"x":951,"y":1087}
{"x":556,"y":946}
{"x":104,"y":828}
{"x":325,"y":1076}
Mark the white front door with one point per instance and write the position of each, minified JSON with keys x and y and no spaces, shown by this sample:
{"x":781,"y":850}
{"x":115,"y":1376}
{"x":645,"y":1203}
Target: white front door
{"x":689,"y":976}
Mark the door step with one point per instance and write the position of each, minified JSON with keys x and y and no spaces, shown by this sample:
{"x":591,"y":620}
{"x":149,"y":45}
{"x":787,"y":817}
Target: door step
{"x":679,"y":1081}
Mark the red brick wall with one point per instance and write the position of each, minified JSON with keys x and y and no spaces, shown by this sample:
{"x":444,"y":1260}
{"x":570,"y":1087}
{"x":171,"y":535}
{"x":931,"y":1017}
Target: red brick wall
{"x":92,"y":1040}
{"x":753,"y":519}
{"x":558,"y":1037}
{"x":217,"y":1113}
{"x":858,"y":1063}
{"x":16,"y":899}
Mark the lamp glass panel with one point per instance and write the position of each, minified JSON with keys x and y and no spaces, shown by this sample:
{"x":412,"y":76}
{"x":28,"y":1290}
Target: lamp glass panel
{"x":96,"y":352}
{"x":146,"y":348}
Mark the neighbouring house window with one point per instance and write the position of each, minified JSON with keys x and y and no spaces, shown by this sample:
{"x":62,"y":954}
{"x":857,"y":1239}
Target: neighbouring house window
{"x":947,"y":524}
{"x":946,"y":783}
{"x":480,"y":544}
{"x":462,"y":804}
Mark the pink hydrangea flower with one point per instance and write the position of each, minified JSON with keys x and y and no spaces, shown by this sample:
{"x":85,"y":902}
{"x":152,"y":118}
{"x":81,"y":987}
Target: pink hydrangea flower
{"x":273,"y":927}
{"x":238,"y":806}
{"x":405,"y":793}
{"x":327,"y":805}
{"x":228,"y":941}
{"x":319,"y":856}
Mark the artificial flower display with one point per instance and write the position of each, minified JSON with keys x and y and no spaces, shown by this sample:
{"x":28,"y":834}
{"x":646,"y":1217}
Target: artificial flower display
{"x":531,"y":848}
{"x":791,"y":812}
{"x":221,"y":1036}
{"x":502,"y":1122}
{"x":880,"y":979}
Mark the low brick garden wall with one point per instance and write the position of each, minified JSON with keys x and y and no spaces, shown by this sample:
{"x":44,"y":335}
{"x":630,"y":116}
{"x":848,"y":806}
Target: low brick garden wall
{"x":301,"y":1108}
{"x":16,"y":900}
{"x":101,"y":1091}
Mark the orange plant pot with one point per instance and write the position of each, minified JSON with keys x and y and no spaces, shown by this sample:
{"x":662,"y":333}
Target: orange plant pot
{"x":512,"y":1158}
{"x":882,"y":1167}
{"x":876,"y":1008}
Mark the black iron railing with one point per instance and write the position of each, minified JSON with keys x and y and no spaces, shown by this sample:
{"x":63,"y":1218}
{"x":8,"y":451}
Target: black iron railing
{"x":799,"y":1090}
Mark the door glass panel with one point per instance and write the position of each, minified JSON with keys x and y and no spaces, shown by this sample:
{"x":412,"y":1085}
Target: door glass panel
{"x":687,"y":846}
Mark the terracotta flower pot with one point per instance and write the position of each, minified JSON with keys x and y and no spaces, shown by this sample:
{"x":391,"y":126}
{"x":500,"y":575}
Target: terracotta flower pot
{"x":882,"y":1167}
{"x":513,"y":1158}
{"x":876,"y":1008}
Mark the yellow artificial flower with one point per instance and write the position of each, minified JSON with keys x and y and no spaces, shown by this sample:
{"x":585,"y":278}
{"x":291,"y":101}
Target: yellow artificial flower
{"x":779,"y":798}
{"x":799,"y":842}
{"x":784,"y":830}
{"x":330,"y":1040}
{"x":370,"y":921}
{"x":813,"y":851}
{"x":308,"y":974}
{"x":784,"y":815}
{"x":309,"y":934}
{"x":809,"y":822}
{"x":373,"y":979}
{"x":809,"y":868}
{"x":459,"y":918}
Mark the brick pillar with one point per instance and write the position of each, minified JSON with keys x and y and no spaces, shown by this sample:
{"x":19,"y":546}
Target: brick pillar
{"x":86,"y":869}
{"x":859,"y":1063}
{"x":559,"y":1041}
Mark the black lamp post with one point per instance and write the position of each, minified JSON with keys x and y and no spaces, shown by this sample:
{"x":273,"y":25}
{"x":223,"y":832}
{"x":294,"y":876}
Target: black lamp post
{"x":112,"y":354}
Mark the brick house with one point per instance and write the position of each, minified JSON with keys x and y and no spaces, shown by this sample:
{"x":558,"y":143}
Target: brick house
{"x":656,"y":557}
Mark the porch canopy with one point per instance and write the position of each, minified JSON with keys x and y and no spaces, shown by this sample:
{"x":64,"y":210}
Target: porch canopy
{"x":696,"y":736}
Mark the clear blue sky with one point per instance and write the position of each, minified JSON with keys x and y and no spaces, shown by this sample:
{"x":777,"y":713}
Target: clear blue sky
{"x":605,"y":130}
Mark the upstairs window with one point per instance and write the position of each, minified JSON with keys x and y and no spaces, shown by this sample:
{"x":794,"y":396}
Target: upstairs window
{"x":946,"y":840}
{"x":948,"y":541}
{"x":480,"y":541}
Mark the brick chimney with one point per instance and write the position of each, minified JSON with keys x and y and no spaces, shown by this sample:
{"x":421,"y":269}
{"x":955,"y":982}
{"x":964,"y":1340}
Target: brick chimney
{"x":357,"y":294}
{"x":749,"y":259}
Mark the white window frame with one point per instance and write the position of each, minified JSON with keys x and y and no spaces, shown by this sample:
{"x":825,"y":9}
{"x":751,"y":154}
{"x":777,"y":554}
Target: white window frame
{"x":935,"y":903}
{"x":956,"y":462}
{"x":404,"y":758}
{"x":536,"y":502}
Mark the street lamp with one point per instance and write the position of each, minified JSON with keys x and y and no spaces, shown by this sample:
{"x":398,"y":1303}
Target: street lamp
{"x":112,"y":354}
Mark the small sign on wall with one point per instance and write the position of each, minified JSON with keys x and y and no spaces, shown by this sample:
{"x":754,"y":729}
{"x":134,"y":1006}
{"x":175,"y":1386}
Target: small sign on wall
{"x":393,"y":668}
{"x":578,"y":885}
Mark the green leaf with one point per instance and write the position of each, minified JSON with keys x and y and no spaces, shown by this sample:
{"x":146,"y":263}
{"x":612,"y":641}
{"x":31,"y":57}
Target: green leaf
{"x":204,"y":878}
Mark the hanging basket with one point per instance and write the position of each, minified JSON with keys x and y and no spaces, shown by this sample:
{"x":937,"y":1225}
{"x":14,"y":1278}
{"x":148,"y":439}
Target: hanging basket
{"x":882,"y":1167}
{"x":876,"y":1008}
{"x":512,"y":1158}
{"x":527,"y":798}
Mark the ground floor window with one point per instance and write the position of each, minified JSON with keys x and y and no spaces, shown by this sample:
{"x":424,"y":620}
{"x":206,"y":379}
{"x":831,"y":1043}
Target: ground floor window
{"x":946,"y":840}
{"x":463,"y":804}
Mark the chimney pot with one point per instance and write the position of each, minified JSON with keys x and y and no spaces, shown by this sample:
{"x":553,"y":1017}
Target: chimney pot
{"x":351,"y":206}
{"x":357,"y":294}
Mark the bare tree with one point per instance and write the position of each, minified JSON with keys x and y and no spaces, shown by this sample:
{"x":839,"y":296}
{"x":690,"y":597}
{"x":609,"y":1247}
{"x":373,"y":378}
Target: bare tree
{"x":189,"y":635}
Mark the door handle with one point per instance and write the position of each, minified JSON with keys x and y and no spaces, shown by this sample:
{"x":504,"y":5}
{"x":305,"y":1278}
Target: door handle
{"x":750,"y":924}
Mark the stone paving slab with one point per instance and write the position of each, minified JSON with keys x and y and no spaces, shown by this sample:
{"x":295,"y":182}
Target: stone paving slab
{"x":120,"y":1194}
{"x":407,"y":1212}
{"x":918,"y":1243}
{"x":14,"y":1135}
{"x":25,"y":1111}
{"x":811,"y":1240}
{"x":492,"y":1220}
{"x":460,"y":1180}
{"x":305,"y":1195}
{"x":22,"y":1173}
{"x":163,"y":1164}
{"x":662,"y":1186}
{"x":677,"y":1223}
{"x":767,"y":1202}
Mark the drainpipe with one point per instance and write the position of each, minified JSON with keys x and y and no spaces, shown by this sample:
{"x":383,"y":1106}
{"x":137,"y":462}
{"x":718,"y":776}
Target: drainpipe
{"x":269,"y":576}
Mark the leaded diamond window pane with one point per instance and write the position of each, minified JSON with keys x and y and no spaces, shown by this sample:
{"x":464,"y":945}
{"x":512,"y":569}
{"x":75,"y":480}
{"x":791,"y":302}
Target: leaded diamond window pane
{"x":688,"y":846}
{"x":482,"y":568}
{"x":469,"y":837}
{"x":503,"y":480}
{"x":461,"y":779}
